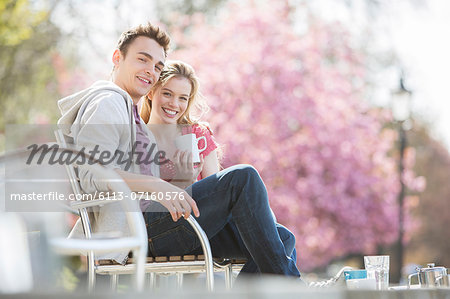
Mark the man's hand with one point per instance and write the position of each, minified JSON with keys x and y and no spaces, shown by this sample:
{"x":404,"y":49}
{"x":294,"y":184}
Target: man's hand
{"x":179,"y":203}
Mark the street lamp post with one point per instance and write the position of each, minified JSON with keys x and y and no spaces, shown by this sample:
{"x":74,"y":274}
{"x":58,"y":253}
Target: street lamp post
{"x":401,"y":109}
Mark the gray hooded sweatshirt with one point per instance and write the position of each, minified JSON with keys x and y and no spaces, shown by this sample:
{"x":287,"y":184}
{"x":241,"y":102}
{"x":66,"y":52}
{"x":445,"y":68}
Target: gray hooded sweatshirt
{"x":101,"y":118}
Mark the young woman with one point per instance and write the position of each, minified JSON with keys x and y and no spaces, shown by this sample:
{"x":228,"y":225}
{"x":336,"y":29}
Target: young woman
{"x":230,"y":213}
{"x":168,"y":111}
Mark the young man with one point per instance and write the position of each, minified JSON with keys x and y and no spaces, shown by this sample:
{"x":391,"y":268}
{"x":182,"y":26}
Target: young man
{"x":231,"y":206}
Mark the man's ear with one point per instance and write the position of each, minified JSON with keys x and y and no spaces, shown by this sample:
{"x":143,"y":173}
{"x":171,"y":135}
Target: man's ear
{"x":116,"y":57}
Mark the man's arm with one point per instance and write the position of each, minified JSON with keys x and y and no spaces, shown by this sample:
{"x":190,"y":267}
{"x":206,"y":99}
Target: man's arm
{"x":179,"y":204}
{"x":104,"y":123}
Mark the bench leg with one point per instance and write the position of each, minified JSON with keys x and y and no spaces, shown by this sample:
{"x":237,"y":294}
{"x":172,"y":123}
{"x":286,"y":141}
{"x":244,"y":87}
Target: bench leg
{"x":113,"y":280}
{"x":229,"y":276}
{"x":91,"y":271}
{"x":151,"y":280}
{"x":180,"y":278}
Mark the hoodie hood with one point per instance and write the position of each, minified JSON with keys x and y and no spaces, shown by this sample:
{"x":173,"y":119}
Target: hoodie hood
{"x":70,"y":106}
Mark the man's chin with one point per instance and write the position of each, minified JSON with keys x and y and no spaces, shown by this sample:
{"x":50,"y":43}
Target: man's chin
{"x":139,"y":94}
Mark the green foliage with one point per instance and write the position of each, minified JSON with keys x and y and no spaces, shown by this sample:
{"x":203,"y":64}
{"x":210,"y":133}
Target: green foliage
{"x":67,"y":279}
{"x":17,"y":21}
{"x":27,"y":78}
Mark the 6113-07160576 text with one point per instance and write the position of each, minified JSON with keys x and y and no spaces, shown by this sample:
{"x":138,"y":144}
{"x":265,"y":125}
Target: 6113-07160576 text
{"x":56,"y":196}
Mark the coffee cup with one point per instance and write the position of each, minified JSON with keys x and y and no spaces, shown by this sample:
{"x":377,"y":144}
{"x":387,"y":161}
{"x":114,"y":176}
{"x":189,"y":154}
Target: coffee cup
{"x":189,"y":142}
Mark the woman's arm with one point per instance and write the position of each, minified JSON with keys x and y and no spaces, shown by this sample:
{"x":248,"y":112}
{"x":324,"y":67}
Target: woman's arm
{"x":211,"y":164}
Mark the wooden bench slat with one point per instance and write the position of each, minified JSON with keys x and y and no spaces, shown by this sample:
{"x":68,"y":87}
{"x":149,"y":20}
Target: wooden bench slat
{"x":106,"y":262}
{"x":175,"y":258}
{"x":161,"y":259}
{"x":188,"y":258}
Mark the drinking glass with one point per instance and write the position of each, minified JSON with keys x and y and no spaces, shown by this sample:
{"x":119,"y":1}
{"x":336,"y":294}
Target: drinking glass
{"x":377,"y":267}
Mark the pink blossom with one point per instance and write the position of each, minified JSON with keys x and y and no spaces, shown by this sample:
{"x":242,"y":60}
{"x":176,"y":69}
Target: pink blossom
{"x":294,"y":107}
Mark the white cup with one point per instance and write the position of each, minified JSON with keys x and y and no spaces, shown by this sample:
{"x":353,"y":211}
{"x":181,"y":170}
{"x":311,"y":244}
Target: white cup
{"x":189,"y":142}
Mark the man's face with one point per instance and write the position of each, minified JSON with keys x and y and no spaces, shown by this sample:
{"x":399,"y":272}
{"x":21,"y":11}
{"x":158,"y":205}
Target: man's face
{"x":139,"y":70}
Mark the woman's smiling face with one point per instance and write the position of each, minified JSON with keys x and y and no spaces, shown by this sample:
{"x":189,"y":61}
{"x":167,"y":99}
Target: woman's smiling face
{"x":169,"y":102}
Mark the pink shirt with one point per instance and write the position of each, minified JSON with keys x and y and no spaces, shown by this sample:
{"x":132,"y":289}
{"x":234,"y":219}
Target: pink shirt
{"x":168,"y":171}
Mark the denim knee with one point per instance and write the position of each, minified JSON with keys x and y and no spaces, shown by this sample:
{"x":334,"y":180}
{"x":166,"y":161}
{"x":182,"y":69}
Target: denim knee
{"x":245,"y":172}
{"x":288,"y":238}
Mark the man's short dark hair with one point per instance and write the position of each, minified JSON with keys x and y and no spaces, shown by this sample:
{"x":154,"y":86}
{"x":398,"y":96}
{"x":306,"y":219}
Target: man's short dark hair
{"x":148,"y":30}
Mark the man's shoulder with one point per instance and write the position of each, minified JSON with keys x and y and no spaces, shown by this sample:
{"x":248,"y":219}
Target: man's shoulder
{"x":103,"y":102}
{"x":107,"y":94}
{"x":108,"y":89}
{"x":94,"y":94}
{"x":107,"y":98}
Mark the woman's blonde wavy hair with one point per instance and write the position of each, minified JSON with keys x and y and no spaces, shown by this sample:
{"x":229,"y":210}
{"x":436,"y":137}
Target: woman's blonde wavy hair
{"x":197,"y":105}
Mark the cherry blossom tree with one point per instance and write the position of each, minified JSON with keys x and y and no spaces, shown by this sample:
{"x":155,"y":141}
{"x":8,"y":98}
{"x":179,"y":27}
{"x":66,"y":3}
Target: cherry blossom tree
{"x":293,"y":105}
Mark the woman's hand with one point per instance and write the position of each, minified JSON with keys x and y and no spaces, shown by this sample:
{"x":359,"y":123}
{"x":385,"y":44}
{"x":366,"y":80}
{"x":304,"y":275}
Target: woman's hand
{"x":186,"y":172}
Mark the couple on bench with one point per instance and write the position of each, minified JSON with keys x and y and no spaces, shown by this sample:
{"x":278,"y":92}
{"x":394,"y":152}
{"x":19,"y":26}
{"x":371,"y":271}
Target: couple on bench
{"x":150,"y":101}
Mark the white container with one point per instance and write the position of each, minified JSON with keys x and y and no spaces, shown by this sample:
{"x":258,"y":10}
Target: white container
{"x":361,"y":284}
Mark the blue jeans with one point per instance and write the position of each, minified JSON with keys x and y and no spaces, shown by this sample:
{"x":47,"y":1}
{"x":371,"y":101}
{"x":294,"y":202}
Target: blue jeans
{"x":236,"y":216}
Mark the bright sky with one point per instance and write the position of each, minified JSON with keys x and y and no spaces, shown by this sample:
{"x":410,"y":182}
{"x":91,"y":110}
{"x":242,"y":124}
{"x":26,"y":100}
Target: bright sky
{"x":419,"y":35}
{"x":97,"y":26}
{"x":422,"y":38}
